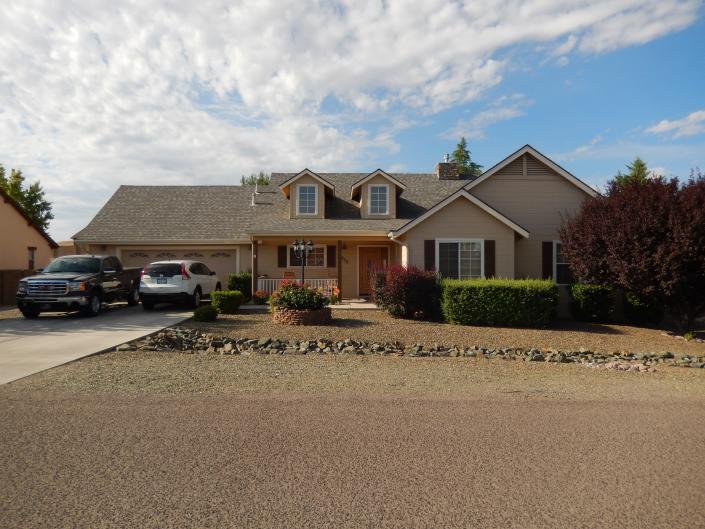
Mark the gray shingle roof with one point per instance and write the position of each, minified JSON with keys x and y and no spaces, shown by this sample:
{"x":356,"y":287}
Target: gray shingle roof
{"x":202,"y":213}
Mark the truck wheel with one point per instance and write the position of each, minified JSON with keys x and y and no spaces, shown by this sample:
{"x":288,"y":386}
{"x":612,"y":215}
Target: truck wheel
{"x":133,"y":298}
{"x":93,"y":307}
{"x":195,"y":300}
{"x":29,"y":314}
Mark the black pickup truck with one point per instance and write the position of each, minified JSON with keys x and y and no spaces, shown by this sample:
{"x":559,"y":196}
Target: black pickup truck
{"x":78,"y":282}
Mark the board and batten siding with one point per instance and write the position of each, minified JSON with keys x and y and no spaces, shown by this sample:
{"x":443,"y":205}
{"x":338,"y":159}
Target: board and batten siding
{"x":462,"y":220}
{"x":535,"y":197}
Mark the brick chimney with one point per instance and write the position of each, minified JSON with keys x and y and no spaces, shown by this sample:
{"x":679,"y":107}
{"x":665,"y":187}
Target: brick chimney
{"x":447,"y":170}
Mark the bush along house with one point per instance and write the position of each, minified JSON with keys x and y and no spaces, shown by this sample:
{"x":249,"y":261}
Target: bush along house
{"x":503,"y":223}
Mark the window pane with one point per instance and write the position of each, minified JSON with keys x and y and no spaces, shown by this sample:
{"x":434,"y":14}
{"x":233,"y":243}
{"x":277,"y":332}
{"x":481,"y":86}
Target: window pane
{"x":378,"y":199}
{"x":470,"y":260}
{"x":307,"y":199}
{"x":563,"y":274}
{"x":315,"y":257}
{"x":448,"y":259}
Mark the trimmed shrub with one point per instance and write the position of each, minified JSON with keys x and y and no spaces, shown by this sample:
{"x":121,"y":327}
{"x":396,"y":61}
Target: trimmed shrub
{"x":407,"y":292}
{"x":241,"y":282}
{"x":508,"y":302}
{"x":227,"y":301}
{"x":205,"y":313}
{"x":292,"y":295}
{"x":591,"y":302}
{"x":640,"y":311}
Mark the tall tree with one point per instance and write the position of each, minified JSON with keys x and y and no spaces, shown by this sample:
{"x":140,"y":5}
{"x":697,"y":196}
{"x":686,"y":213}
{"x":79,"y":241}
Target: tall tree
{"x":30,"y":198}
{"x":461,"y":156}
{"x":637,"y":171}
{"x":260,"y":178}
{"x":646,"y":238}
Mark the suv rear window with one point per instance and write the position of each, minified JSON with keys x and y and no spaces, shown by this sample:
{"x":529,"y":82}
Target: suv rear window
{"x":163,"y":270}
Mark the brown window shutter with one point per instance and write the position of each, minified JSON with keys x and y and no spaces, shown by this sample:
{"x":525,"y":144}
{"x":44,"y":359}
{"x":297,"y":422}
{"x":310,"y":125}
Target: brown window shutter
{"x":547,"y":259}
{"x":330,"y":256}
{"x":281,"y":256}
{"x":429,"y":254}
{"x":489,"y":259}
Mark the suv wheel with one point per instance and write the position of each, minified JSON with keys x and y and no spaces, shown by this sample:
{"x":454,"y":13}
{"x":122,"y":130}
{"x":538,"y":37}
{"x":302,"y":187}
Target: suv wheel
{"x":195,"y":301}
{"x":29,"y":314}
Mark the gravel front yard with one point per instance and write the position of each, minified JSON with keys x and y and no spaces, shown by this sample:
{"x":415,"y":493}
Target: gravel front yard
{"x":378,"y":326}
{"x":8,"y":312}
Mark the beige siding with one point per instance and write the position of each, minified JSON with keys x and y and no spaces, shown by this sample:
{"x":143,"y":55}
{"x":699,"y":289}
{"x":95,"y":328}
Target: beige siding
{"x":16,"y":236}
{"x":463,"y":220}
{"x":537,"y":199}
{"x":392,"y":197}
{"x":320,"y":198}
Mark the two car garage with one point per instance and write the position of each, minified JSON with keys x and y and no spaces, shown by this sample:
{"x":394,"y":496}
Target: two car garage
{"x":222,"y":261}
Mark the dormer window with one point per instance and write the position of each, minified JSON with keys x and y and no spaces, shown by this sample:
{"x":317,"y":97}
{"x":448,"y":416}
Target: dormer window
{"x":379,"y":199}
{"x":306,"y":199}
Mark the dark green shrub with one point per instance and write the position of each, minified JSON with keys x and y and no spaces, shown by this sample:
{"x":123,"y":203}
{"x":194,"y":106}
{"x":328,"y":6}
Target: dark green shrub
{"x":205,"y":313}
{"x":591,"y":302}
{"x":508,"y":302}
{"x":292,"y":295}
{"x":227,"y":301}
{"x":241,"y":282}
{"x":407,"y":292}
{"x":640,"y":311}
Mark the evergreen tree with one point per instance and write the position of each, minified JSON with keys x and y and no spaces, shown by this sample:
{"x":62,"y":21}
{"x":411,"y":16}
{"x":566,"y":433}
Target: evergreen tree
{"x":637,"y":171}
{"x":461,"y":156}
{"x":260,"y":178}
{"x":31,"y":199}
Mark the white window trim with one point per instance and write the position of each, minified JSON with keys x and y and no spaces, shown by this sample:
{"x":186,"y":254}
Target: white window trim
{"x":325,"y":258}
{"x":555,"y":263}
{"x":315,"y":200}
{"x":482,"y":253}
{"x":369,"y":198}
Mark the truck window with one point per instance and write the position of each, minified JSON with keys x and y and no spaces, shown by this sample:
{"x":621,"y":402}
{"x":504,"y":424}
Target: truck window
{"x":79,"y":265}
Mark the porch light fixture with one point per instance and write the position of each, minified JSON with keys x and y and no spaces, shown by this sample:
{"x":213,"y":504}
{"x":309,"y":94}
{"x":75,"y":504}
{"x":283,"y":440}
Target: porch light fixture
{"x":301,"y":250}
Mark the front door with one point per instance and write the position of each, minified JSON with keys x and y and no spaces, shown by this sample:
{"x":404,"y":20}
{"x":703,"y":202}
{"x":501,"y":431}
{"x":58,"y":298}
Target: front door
{"x":371,"y":259}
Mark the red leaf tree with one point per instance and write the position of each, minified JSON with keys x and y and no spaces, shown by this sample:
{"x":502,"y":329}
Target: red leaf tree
{"x":647,"y":238}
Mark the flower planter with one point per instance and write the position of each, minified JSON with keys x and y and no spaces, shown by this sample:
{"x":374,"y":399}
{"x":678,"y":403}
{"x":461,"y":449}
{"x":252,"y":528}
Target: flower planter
{"x":301,"y":317}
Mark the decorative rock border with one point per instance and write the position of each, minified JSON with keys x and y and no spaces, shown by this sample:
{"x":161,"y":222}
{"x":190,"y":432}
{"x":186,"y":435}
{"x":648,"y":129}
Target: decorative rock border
{"x":301,"y":317}
{"x":179,"y":339}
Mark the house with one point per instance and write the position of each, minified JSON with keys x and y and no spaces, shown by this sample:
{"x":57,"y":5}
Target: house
{"x":503,"y":223}
{"x":25,"y":246}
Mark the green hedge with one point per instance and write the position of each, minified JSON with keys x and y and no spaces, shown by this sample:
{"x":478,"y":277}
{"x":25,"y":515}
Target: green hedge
{"x":227,"y":301}
{"x":641,"y":311}
{"x":591,"y":302}
{"x":508,"y":302}
{"x":205,"y":313}
{"x":241,"y":282}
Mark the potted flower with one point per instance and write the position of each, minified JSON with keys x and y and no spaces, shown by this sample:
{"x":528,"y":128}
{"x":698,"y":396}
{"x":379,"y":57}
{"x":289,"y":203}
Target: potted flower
{"x":295,"y":304}
{"x":334,"y":295}
{"x":260,"y":297}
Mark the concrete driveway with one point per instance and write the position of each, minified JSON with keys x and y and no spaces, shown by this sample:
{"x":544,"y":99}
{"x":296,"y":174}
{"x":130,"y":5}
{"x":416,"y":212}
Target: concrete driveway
{"x":29,"y":346}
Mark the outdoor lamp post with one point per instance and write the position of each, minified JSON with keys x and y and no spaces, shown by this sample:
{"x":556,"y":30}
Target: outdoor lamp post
{"x":301,"y":250}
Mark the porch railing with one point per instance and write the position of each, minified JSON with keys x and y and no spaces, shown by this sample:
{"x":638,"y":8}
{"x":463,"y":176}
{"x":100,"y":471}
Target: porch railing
{"x":269,"y":285}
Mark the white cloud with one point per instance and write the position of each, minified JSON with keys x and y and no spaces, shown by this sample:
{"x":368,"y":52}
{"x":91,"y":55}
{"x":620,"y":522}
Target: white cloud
{"x":94,"y":94}
{"x":692,"y":124}
{"x":502,"y":109}
{"x":582,"y":150}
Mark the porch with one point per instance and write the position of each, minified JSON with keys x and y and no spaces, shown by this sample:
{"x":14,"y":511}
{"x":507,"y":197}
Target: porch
{"x":334,"y":263}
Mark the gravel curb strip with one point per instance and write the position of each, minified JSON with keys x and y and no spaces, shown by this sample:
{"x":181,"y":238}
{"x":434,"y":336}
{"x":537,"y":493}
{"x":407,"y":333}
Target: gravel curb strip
{"x":188,"y":340}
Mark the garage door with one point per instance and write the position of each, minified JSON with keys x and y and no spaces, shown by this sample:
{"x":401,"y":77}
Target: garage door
{"x":222,"y":262}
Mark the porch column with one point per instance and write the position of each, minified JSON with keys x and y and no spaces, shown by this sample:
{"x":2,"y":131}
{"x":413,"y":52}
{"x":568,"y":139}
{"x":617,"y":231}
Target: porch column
{"x":340,"y":267}
{"x":254,"y":266}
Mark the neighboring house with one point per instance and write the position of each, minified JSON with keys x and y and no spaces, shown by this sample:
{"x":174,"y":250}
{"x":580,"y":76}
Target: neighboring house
{"x":23,"y":244}
{"x":503,"y":223}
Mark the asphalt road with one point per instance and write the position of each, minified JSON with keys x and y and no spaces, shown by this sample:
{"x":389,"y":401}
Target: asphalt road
{"x":29,"y":346}
{"x":349,"y":462}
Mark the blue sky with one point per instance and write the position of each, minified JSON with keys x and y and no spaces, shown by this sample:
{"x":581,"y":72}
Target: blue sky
{"x":98,"y":94}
